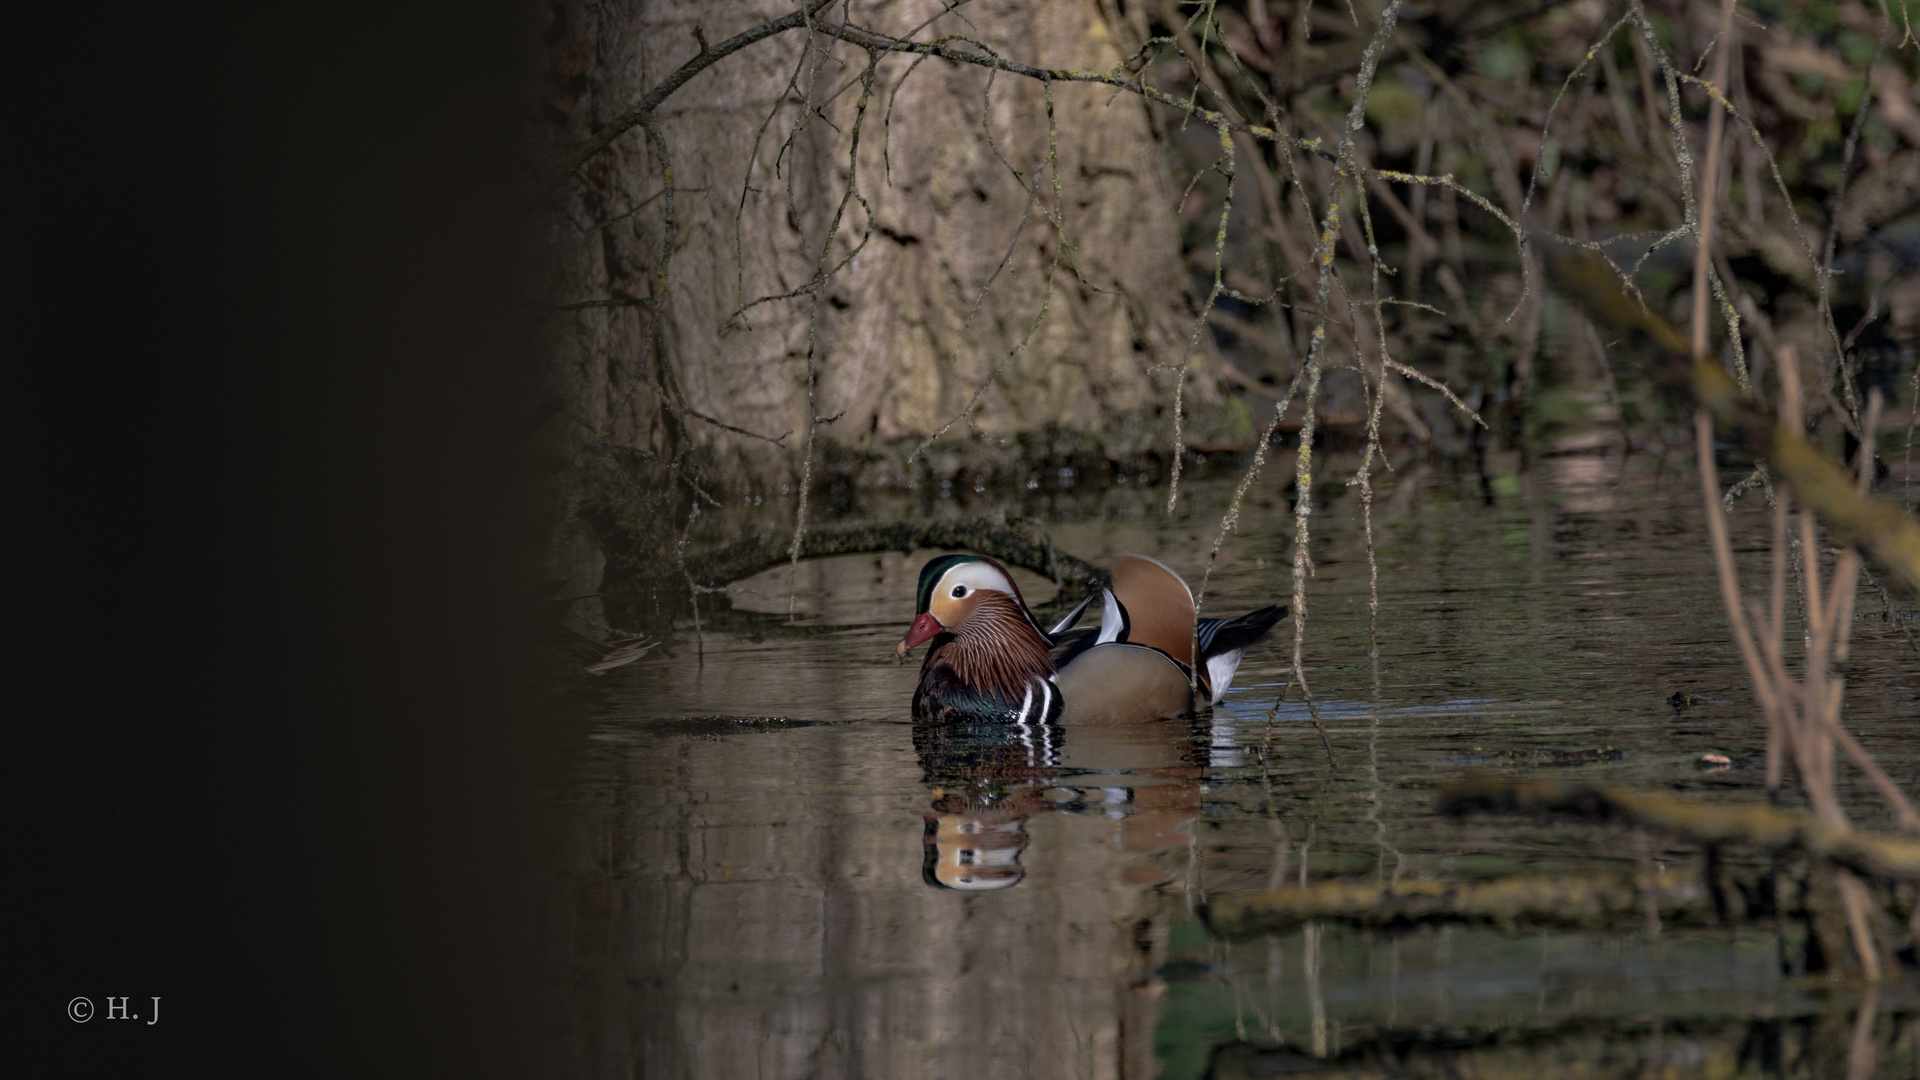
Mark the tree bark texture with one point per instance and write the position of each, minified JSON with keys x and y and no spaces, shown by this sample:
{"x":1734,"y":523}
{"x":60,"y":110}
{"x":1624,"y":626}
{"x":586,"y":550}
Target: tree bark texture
{"x":950,"y":279}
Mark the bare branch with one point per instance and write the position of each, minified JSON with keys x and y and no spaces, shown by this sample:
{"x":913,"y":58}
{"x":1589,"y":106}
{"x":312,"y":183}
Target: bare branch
{"x":642,"y":111}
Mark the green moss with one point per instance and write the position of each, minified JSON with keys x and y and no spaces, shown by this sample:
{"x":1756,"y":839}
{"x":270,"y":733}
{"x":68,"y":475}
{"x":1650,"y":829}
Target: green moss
{"x":1848,"y":96}
{"x":1192,"y":1023}
{"x":1239,"y":420}
{"x":1557,"y":406}
{"x":1503,"y":59}
{"x":1393,"y":105}
{"x":1856,"y":47}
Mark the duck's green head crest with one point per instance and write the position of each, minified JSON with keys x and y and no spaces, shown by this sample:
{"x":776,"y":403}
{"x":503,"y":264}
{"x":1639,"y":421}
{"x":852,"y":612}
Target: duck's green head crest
{"x":931,"y":574}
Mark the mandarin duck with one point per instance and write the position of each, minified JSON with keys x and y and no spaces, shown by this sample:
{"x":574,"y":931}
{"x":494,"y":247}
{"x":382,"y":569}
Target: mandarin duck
{"x":991,"y":661}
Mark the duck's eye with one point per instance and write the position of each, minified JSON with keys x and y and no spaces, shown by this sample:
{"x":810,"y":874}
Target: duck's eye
{"x":959,"y":591}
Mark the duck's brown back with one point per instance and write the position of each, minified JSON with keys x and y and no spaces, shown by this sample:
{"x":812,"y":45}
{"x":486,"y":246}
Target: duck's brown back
{"x":1159,"y":606}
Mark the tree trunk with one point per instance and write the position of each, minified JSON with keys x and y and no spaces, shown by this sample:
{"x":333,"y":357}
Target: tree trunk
{"x":954,"y":217}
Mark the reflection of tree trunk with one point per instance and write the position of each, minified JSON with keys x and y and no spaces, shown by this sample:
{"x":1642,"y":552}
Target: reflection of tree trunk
{"x":894,"y":351}
{"x":722,"y":928}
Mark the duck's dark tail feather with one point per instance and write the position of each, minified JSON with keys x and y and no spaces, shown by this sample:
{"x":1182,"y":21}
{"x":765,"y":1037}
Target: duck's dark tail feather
{"x":1224,"y":641}
{"x":1225,"y":635}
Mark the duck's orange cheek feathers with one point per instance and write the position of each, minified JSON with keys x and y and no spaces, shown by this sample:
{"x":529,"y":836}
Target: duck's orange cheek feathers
{"x":924,"y":629}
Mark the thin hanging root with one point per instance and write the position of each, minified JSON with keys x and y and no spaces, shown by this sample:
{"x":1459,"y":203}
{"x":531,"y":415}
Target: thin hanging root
{"x":1683,"y":157}
{"x":1232,"y":516}
{"x":693,"y":590}
{"x":1313,"y":710}
{"x":1546,"y":125}
{"x":1344,"y":173}
{"x":1378,"y":396}
{"x":821,"y":274}
{"x":1853,"y":895}
{"x":1200,"y":322}
{"x":1365,"y":479}
{"x":1847,"y":380}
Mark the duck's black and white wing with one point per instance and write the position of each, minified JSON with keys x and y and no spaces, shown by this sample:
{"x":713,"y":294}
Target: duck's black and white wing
{"x":1066,"y":622}
{"x":1224,"y":642}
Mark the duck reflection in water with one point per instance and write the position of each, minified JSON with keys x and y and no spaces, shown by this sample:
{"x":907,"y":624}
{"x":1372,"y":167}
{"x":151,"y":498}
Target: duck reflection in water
{"x":974,"y":841}
{"x":987,"y":780}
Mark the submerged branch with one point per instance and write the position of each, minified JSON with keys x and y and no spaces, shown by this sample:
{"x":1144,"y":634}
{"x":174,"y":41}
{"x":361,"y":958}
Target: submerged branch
{"x":981,"y":535}
{"x":1715,"y":896}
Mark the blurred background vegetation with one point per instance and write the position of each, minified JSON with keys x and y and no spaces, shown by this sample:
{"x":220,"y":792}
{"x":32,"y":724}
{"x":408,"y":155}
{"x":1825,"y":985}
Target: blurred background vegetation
{"x":1469,"y":92}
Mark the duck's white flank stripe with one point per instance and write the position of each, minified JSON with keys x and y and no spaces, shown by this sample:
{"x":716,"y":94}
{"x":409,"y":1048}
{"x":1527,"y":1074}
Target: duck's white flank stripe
{"x":1020,"y":719}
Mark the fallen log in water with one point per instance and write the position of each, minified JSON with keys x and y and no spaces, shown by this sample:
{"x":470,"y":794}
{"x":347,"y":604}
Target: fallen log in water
{"x":984,"y":536}
{"x":1799,"y":883}
{"x":1874,"y":856}
{"x":1591,"y":902}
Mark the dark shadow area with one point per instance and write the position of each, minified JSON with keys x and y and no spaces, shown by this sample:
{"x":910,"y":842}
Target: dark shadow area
{"x":264,"y":411}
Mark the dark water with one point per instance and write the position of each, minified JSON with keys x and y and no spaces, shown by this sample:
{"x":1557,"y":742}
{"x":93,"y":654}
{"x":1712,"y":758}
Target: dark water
{"x":762,"y":867}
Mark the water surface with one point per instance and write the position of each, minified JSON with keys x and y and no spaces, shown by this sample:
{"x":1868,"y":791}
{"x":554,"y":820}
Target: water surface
{"x":772,"y":872}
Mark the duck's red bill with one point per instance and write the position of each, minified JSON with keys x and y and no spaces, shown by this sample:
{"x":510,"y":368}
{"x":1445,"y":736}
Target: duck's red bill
{"x":924,"y":629}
